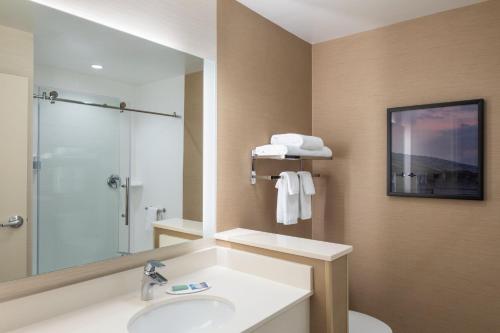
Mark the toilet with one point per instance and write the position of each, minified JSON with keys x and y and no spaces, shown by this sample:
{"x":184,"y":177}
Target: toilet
{"x":361,"y":323}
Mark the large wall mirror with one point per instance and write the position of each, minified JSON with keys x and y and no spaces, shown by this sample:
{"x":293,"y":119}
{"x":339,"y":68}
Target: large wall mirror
{"x":101,"y":138}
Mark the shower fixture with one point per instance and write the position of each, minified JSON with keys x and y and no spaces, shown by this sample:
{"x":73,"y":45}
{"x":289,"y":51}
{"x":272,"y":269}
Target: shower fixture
{"x":114,"y":181}
{"x":53,"y":96}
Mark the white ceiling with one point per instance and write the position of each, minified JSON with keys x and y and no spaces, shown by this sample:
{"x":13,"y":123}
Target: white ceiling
{"x":67,"y":42}
{"x":317,"y":21}
{"x":185,"y":25}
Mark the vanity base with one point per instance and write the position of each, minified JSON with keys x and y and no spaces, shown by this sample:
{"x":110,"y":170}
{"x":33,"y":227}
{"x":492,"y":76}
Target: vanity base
{"x":294,"y":320}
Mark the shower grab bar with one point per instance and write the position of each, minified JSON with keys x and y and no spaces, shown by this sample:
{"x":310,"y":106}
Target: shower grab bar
{"x":53,"y":97}
{"x":160,"y":213}
{"x":126,"y":215}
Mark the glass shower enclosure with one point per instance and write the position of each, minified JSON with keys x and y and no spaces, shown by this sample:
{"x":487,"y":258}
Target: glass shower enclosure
{"x":80,"y":168}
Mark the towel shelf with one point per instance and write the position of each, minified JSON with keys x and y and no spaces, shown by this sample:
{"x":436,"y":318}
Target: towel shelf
{"x":287,"y":157}
{"x":254,"y":177}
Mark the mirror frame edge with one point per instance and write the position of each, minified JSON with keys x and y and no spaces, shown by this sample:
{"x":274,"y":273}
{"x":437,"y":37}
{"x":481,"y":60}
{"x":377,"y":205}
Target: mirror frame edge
{"x":209,"y":148}
{"x":11,"y":290}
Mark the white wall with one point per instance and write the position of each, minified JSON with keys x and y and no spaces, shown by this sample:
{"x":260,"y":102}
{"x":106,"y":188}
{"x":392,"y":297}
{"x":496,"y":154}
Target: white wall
{"x":185,"y":25}
{"x":157,"y":156}
{"x":82,"y":83}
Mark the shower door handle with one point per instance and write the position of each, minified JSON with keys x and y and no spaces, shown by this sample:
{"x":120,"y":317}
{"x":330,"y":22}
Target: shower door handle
{"x":126,"y":215}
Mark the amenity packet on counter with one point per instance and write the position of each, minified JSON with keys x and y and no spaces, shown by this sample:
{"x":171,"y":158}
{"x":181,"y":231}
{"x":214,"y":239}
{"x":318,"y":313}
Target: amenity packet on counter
{"x":189,"y":288}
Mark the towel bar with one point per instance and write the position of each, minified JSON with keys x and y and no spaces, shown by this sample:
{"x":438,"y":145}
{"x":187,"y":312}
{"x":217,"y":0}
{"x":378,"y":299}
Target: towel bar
{"x":163,"y":210}
{"x":255,"y":177}
{"x":254,"y":157}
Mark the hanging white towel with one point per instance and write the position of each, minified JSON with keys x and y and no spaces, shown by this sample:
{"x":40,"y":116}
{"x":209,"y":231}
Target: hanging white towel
{"x":151,"y":216}
{"x":298,"y":140}
{"x":287,"y":208}
{"x":306,"y":191}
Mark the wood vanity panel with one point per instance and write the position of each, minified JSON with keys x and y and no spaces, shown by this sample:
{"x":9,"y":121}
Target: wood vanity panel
{"x":160,"y":231}
{"x":337,"y":294}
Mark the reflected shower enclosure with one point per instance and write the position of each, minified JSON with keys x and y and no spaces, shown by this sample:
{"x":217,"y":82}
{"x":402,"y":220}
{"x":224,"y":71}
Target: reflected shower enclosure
{"x":110,"y":141}
{"x":112,"y":149}
{"x":436,"y":150}
{"x":78,"y":214}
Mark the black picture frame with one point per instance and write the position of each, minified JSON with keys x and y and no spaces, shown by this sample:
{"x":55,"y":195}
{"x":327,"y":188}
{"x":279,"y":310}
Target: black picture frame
{"x":474,"y":174}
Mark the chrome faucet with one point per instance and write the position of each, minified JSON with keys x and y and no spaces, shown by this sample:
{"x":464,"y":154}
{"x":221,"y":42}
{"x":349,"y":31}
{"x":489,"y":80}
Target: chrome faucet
{"x":151,"y":278}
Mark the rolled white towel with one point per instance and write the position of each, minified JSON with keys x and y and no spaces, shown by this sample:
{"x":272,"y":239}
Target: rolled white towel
{"x":298,"y":140}
{"x":278,"y":151}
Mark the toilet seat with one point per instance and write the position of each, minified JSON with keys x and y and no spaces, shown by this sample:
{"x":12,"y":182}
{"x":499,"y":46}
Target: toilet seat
{"x":361,"y":323}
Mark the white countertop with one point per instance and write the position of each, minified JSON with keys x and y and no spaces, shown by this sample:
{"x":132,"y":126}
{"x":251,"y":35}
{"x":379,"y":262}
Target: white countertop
{"x":293,"y":245}
{"x":273,"y":287}
{"x":181,"y":225}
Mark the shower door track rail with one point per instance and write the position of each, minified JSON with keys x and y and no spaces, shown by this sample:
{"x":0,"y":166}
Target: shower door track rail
{"x":52,"y":97}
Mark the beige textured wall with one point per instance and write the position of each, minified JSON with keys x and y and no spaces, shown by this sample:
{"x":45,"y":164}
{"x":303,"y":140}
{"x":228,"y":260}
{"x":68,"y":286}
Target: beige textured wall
{"x":421,"y":265}
{"x":193,"y":147}
{"x":264,"y":87}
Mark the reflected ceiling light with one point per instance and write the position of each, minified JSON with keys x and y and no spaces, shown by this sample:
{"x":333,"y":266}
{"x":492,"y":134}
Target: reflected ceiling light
{"x":96,"y":66}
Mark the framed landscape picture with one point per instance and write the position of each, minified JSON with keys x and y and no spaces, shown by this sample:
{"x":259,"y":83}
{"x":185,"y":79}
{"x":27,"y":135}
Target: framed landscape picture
{"x":436,"y":150}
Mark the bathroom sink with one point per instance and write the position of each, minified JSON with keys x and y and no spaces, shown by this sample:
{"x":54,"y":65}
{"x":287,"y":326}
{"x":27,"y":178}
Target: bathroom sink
{"x":184,"y":315}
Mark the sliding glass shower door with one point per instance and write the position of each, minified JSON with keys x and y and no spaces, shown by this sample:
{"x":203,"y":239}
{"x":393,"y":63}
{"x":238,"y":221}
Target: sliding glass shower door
{"x":81,"y":167}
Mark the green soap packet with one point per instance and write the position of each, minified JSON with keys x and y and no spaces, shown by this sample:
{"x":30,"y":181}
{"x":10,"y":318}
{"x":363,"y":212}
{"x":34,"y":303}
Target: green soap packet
{"x":180,"y":287}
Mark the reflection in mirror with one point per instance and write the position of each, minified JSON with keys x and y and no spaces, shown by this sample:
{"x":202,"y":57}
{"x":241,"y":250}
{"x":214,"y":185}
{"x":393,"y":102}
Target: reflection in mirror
{"x":112,"y":154}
